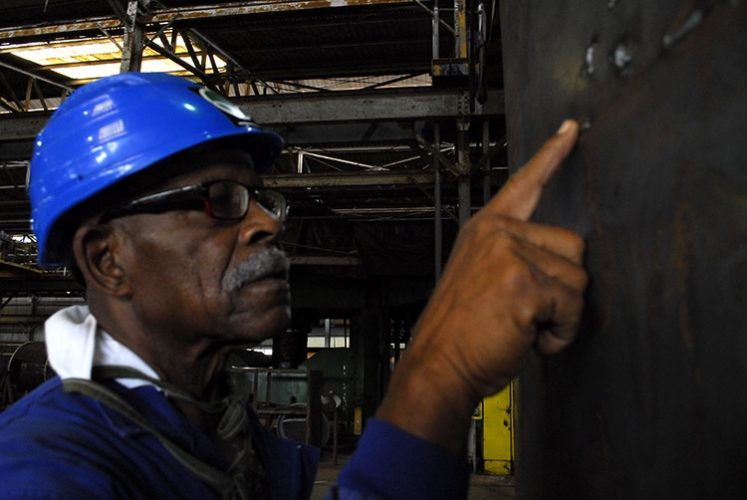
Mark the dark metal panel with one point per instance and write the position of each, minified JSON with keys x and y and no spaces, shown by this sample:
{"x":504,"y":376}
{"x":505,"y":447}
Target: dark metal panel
{"x":652,"y":399}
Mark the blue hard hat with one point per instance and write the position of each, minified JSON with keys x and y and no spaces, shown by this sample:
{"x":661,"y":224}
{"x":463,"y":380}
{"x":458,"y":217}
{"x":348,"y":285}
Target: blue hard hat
{"x":115,"y":127}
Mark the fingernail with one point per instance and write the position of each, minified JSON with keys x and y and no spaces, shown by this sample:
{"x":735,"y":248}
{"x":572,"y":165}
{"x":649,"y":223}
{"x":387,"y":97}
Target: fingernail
{"x":565,"y":127}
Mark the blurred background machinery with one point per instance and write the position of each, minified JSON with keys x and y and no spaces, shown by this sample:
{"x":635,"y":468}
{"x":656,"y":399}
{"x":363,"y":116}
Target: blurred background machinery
{"x":22,"y":367}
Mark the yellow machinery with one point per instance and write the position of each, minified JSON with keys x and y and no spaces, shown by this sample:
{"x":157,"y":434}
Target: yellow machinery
{"x":496,"y":416}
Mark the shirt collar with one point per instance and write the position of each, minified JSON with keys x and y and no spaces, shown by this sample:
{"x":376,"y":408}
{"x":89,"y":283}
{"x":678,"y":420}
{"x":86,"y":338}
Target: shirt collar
{"x":75,"y":344}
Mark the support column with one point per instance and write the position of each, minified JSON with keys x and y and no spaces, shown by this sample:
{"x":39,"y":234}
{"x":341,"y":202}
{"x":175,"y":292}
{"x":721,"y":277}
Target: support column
{"x":438,"y":228}
{"x":464,"y":199}
{"x":436,"y":41}
{"x":327,"y":333}
{"x":366,"y":332}
{"x":289,"y":347}
{"x":486,"y":168}
{"x":460,"y":25}
{"x":464,"y":167}
{"x":132,"y":55}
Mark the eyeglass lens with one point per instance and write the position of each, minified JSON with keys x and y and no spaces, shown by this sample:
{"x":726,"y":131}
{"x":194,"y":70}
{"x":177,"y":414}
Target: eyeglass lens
{"x":230,"y":200}
{"x":274,"y":202}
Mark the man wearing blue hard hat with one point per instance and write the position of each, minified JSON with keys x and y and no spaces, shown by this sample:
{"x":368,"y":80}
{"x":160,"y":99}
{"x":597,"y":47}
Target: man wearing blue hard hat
{"x":149,"y":186}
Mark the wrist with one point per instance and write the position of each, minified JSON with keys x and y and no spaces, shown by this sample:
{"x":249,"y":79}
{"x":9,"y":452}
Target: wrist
{"x":427,"y":400}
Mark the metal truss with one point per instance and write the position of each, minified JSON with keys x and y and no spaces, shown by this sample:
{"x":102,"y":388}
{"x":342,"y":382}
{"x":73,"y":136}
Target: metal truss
{"x":142,"y":25}
{"x":34,"y":97}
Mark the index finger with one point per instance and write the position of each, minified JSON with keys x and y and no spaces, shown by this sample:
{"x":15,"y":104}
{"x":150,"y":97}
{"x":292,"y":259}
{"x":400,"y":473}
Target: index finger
{"x":520,"y":196}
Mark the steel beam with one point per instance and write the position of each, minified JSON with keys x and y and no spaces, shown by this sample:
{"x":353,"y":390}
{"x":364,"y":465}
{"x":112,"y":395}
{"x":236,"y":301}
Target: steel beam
{"x":11,"y":269}
{"x":16,"y":151}
{"x":342,"y":107}
{"x":356,"y":107}
{"x":336,"y":134}
{"x":22,"y":126}
{"x":20,"y":209}
{"x":285,"y":181}
{"x":30,"y":74}
{"x":186,"y":13}
{"x":17,"y":132}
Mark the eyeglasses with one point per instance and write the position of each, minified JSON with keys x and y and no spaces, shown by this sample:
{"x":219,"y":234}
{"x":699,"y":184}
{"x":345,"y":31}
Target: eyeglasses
{"x":222,"y":200}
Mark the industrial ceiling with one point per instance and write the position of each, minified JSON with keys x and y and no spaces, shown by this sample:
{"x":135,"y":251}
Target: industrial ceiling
{"x":392,"y":111}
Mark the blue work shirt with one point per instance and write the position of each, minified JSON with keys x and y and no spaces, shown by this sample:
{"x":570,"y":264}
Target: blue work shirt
{"x":59,"y":445}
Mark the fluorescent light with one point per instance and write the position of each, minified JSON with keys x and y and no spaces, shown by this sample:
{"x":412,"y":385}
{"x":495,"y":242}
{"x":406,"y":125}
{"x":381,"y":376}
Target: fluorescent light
{"x":91,"y":59}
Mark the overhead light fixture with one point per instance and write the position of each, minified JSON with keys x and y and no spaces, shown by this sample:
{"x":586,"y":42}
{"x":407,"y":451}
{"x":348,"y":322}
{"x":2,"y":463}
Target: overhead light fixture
{"x":91,"y":59}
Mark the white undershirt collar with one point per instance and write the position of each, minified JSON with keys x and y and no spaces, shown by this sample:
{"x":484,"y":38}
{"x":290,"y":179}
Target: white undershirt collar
{"x":75,"y":344}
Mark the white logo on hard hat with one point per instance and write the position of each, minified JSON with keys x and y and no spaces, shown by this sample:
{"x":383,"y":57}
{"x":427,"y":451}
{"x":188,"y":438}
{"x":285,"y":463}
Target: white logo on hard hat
{"x":223,"y":104}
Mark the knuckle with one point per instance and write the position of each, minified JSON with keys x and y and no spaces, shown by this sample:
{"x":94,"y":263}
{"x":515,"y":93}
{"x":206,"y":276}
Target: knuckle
{"x":576,"y":278}
{"x":571,"y":238}
{"x":518,"y":280}
{"x":505,"y":244}
{"x":483,"y":224}
{"x":483,"y":228}
{"x":577,"y":243}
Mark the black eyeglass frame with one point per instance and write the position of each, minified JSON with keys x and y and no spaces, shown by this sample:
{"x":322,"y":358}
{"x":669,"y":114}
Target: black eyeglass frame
{"x":170,"y":199}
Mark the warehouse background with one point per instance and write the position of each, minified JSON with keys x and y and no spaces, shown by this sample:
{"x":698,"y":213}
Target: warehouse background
{"x":401,"y":118}
{"x":393,"y":116}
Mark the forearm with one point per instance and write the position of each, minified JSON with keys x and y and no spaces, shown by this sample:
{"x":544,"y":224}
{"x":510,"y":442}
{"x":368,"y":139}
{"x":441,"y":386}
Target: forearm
{"x":427,"y":401}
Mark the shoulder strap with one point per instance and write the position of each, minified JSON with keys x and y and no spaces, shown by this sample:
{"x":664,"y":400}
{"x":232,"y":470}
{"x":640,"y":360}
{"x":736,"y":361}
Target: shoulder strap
{"x":115,"y":371}
{"x":234,"y":417}
{"x":229,"y":486}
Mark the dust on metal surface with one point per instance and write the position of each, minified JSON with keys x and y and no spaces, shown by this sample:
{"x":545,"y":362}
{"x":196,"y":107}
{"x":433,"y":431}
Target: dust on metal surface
{"x":652,"y":399}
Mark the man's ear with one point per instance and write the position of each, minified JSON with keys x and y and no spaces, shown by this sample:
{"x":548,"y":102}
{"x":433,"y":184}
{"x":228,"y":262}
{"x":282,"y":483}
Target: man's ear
{"x":97,"y":249}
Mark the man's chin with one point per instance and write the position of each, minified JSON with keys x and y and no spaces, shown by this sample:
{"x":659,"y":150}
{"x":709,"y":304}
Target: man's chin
{"x":252,"y":331}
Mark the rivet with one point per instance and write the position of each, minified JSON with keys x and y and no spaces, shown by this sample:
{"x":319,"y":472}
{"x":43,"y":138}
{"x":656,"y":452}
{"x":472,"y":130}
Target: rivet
{"x":589,"y":59}
{"x":621,"y":56}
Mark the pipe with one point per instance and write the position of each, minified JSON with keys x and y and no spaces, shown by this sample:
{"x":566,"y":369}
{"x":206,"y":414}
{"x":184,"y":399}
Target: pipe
{"x":438,"y":235}
{"x":486,"y":167}
{"x":436,"y":34}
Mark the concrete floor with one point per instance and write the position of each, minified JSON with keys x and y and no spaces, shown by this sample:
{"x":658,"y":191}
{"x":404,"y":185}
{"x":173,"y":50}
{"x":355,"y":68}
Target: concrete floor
{"x":481,"y":487}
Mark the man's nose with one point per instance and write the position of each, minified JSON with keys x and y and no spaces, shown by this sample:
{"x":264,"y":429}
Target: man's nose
{"x":259,"y":225}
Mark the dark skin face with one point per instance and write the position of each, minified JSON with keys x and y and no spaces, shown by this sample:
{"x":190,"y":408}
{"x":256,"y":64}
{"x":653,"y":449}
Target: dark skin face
{"x":160,"y":283}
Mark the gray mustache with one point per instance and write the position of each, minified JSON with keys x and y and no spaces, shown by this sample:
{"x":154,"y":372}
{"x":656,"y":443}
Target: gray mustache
{"x":266,"y":263}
